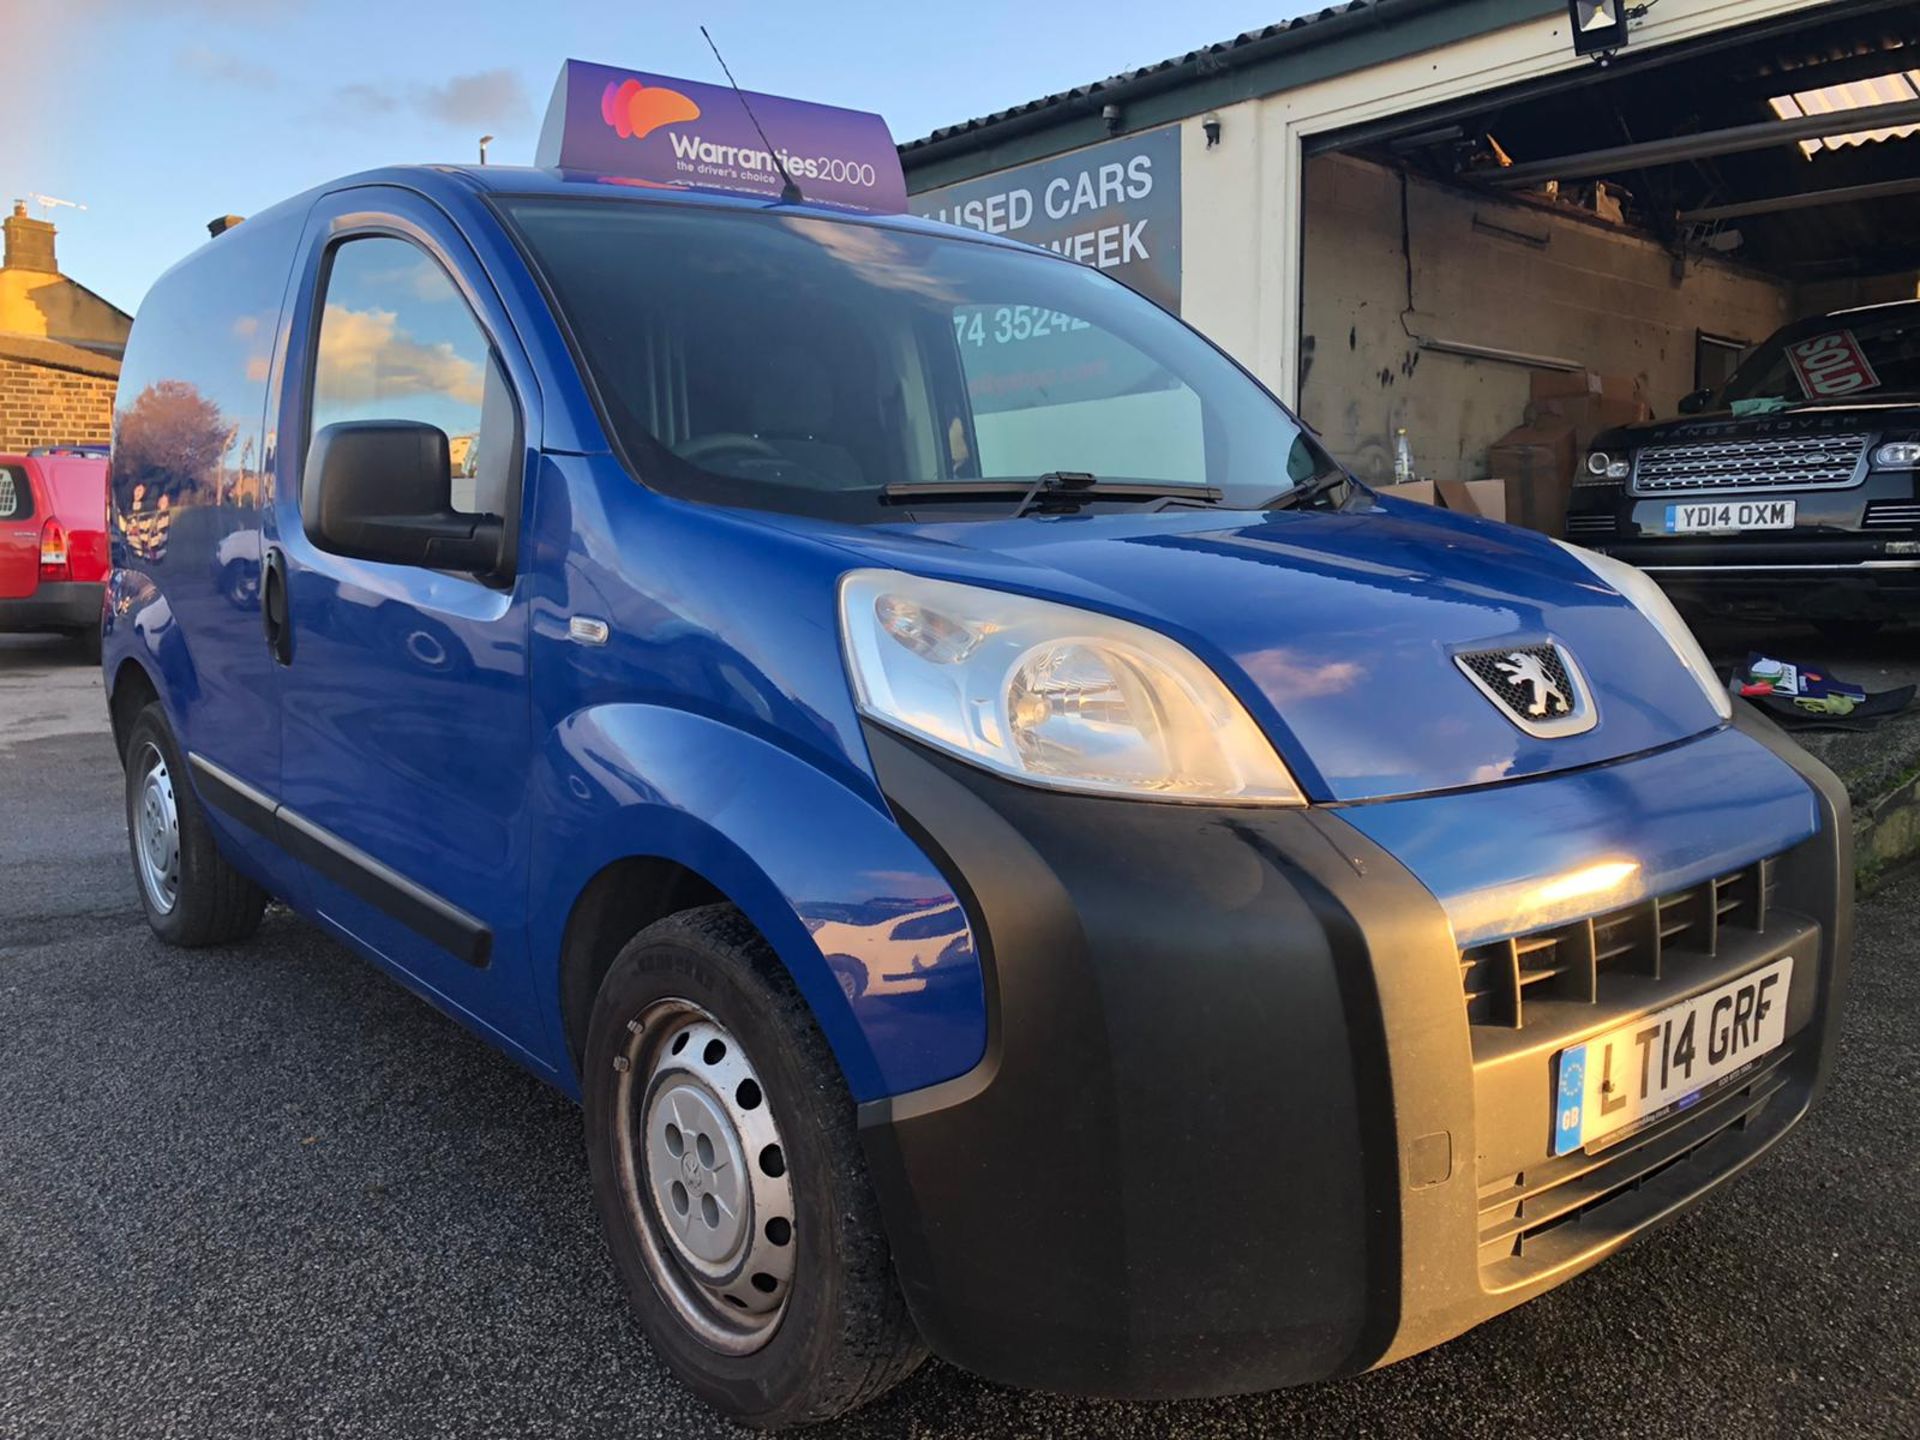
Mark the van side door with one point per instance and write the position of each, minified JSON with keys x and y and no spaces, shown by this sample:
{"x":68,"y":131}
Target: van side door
{"x":404,"y":695}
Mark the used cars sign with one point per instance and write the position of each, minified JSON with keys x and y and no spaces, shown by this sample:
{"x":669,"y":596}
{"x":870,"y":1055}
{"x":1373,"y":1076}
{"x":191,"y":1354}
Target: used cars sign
{"x":1115,"y":206}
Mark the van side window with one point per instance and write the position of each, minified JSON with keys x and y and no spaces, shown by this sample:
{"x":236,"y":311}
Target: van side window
{"x":397,"y":342}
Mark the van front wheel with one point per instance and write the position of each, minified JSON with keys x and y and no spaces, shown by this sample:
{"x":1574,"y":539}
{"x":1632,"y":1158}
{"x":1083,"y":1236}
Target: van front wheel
{"x":729,"y":1179}
{"x":192,"y":896}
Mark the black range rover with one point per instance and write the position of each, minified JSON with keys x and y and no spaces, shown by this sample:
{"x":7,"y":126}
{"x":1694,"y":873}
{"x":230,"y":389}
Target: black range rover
{"x":1792,"y":490}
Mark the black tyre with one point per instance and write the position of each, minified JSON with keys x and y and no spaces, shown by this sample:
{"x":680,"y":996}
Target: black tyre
{"x":190,"y":893}
{"x":730,"y":1181}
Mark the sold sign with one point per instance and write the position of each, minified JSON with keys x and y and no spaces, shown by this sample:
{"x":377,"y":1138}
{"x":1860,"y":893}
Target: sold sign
{"x":1830,"y":365}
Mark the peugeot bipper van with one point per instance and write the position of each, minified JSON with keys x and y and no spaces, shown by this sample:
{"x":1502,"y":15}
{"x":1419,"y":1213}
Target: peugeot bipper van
{"x":1017,"y":853}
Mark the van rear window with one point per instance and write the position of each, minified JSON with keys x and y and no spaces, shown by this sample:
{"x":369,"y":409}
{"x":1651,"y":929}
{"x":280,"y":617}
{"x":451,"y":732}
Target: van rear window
{"x":795,"y":362}
{"x":16,"y":495}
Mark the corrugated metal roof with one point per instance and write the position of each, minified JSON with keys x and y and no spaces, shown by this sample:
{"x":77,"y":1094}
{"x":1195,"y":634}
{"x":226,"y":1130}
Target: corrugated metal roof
{"x":1218,"y":56}
{"x":1854,"y":95}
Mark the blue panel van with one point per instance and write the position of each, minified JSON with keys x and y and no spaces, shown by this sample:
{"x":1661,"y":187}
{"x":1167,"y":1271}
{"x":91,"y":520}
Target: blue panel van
{"x":1019,"y":856}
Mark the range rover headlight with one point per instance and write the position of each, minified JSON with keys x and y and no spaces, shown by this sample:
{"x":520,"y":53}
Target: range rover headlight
{"x":1652,"y":602}
{"x":1898,"y":455}
{"x":1602,"y":467}
{"x":1050,"y":694}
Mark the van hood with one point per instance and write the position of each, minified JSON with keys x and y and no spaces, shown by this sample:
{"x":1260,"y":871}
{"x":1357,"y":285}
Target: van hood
{"x":1338,"y":629}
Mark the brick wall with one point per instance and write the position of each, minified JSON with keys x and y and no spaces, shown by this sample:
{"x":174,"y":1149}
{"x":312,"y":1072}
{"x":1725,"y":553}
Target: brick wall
{"x":43,"y":406}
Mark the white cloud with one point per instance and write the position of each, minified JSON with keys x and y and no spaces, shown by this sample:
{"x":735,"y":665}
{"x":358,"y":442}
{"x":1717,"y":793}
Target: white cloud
{"x":218,"y":67}
{"x":366,"y":357}
{"x":477,"y":101}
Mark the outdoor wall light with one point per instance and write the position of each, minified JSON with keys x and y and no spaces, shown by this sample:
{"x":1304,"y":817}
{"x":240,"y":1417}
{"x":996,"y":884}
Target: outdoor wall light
{"x":1599,"y":26}
{"x":1210,"y":126}
{"x":1110,"y":113}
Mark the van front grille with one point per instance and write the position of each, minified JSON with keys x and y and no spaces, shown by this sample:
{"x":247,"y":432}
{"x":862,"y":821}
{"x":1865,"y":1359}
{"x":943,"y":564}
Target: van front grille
{"x":1567,"y":961}
{"x":1801,"y":462}
{"x":1534,"y":1219}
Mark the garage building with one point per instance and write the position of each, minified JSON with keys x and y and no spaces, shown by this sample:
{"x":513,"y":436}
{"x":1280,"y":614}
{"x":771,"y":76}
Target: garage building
{"x":1440,"y":218}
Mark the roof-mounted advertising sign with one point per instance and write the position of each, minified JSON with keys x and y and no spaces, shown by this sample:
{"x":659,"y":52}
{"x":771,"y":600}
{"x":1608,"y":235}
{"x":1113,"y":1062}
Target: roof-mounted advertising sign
{"x":680,"y":133}
{"x":1115,"y":206}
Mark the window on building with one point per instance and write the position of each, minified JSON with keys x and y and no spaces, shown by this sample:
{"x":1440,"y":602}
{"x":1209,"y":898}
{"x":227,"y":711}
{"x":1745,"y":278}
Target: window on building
{"x":398,"y":342}
{"x":1715,"y":358}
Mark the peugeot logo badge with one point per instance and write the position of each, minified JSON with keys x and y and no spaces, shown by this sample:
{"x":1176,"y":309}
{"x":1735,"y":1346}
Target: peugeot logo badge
{"x":1539,"y":687}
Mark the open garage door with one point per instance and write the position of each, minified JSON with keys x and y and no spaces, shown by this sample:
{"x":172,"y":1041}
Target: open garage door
{"x":1510,"y":281}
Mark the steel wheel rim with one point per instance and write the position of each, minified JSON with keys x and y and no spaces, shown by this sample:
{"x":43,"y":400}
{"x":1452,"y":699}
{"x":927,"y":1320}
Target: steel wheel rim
{"x":156,"y":831}
{"x":702,"y":1172}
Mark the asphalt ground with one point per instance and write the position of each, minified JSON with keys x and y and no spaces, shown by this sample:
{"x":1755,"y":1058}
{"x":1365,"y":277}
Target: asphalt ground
{"x":263,"y":1191}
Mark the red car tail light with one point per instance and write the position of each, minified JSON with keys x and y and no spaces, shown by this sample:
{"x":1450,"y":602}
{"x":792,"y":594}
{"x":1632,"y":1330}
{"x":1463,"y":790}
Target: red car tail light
{"x":53,"y":552}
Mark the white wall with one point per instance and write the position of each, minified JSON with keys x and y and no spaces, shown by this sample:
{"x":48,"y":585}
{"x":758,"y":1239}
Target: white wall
{"x":1241,"y":202}
{"x":1593,"y":293}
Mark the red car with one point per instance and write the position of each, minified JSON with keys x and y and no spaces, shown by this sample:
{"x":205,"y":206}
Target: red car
{"x":53,"y":541}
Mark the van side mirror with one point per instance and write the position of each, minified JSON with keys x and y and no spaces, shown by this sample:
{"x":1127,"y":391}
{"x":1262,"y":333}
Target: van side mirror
{"x":1696,"y":402}
{"x":382,"y":490}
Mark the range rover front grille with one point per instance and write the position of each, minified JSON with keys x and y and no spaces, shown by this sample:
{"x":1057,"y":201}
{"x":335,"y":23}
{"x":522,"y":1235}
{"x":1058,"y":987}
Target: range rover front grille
{"x":1892,"y":515}
{"x":1567,"y":962}
{"x":1801,"y":462}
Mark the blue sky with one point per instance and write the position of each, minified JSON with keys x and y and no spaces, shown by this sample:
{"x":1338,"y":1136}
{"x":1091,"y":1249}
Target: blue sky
{"x":160,"y":114}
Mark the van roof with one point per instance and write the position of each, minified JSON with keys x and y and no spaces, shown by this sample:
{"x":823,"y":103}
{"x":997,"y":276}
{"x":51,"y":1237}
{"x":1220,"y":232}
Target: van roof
{"x":533,"y":180}
{"x":450,"y":185}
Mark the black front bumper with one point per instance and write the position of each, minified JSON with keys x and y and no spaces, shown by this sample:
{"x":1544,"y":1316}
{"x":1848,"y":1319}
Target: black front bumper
{"x":1842,"y":559}
{"x":1228,"y":1132}
{"x":71,"y":605}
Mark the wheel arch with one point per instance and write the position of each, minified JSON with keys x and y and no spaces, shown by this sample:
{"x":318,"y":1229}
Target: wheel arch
{"x":646,"y":811}
{"x":144,"y":646}
{"x":623,"y":899}
{"x":132,"y":691}
{"x":686,"y":866}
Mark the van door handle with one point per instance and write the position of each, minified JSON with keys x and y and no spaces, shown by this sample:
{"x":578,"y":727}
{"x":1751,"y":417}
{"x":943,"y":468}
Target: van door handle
{"x":275,"y":620}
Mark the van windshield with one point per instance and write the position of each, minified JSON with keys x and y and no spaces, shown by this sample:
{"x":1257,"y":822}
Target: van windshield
{"x":794,"y":363}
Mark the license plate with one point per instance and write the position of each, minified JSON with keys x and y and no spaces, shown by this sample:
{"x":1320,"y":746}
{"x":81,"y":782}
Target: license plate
{"x":1630,"y":1076}
{"x":1703,"y":516}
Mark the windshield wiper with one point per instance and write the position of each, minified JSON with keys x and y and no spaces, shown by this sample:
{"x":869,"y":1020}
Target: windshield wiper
{"x":1302,"y":493}
{"x":1070,"y":486}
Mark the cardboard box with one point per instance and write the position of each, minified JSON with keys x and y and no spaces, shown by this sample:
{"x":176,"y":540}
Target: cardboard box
{"x":1588,"y":401}
{"x":1570,"y":384}
{"x":1486,"y":498}
{"x":1536,"y":464}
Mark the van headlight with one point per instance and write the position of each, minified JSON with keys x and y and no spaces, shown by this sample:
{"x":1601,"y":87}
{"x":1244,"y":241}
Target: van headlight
{"x":1051,"y":695}
{"x":1651,"y":601}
